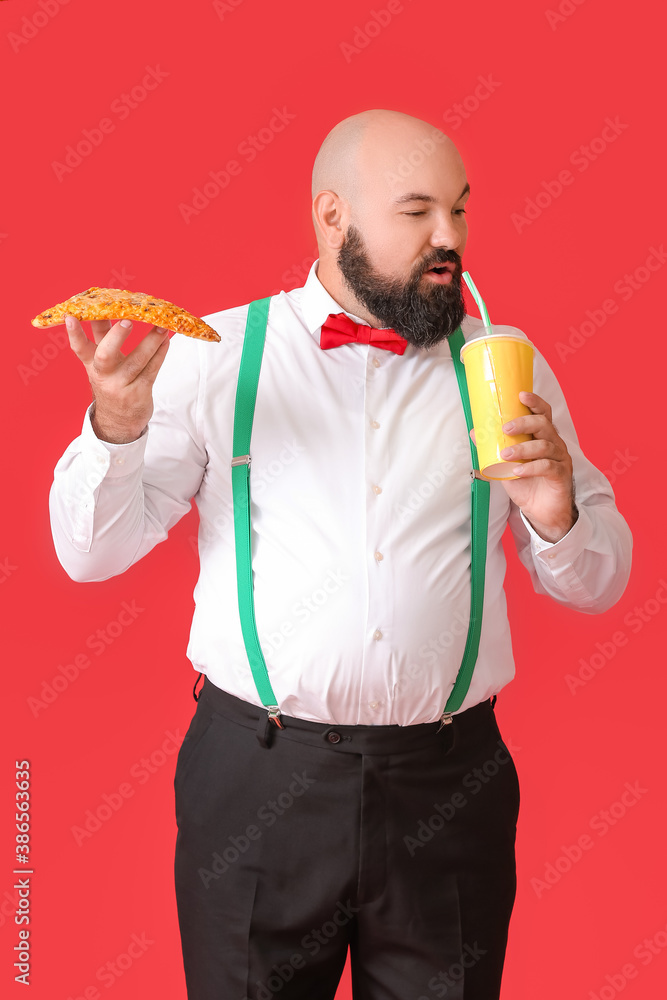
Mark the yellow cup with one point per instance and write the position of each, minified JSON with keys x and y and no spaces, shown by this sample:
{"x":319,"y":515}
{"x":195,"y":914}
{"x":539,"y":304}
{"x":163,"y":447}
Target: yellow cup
{"x":498,"y":366}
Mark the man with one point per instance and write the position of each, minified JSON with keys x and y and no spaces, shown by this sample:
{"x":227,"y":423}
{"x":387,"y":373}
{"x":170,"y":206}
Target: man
{"x":361,"y":815}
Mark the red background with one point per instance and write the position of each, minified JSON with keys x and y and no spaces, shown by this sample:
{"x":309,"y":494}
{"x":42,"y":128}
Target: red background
{"x":114,"y":219}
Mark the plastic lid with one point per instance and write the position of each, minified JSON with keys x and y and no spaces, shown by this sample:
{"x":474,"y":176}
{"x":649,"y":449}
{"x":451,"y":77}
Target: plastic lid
{"x":506,"y":332}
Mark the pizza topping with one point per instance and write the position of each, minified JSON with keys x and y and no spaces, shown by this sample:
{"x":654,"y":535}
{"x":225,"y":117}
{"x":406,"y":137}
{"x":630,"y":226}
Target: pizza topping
{"x":115,"y":303}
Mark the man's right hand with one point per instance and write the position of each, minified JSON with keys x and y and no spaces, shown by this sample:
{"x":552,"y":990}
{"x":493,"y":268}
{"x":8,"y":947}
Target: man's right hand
{"x":122,"y":384}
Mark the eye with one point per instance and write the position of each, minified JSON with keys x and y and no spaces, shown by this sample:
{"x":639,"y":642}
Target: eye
{"x":457,"y":211}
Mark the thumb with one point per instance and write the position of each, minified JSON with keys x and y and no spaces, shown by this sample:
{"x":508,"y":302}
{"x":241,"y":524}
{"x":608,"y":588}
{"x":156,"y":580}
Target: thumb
{"x":472,"y":435}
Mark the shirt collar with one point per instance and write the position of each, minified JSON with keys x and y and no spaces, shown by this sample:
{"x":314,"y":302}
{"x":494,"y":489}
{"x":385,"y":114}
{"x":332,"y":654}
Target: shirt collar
{"x":316,"y":304}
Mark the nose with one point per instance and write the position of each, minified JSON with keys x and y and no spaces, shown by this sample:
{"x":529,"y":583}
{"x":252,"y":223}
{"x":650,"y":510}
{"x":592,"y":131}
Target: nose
{"x":447,"y":234}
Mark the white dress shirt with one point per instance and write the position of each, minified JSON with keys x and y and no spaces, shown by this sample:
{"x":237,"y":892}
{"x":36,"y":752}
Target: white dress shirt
{"x":360,"y":489}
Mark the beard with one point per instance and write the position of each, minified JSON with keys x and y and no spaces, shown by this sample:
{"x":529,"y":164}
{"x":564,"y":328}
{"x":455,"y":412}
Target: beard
{"x":422,"y":311}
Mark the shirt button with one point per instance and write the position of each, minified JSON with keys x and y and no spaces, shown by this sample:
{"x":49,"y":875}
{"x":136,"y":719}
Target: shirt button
{"x":377,"y":634}
{"x":377,"y":489}
{"x":101,"y":459}
{"x":379,"y":556}
{"x":333,"y":737}
{"x":373,"y":704}
{"x":552,"y":555}
{"x":374,"y":424}
{"x":376,"y":362}
{"x":119,"y":461}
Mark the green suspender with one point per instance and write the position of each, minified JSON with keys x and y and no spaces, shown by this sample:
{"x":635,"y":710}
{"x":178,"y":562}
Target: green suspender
{"x":480,"y":489}
{"x":244,"y":410}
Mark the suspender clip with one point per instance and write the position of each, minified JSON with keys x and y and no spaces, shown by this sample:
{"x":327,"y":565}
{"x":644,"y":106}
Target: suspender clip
{"x":274,"y":716}
{"x":241,"y":460}
{"x":445,"y":720}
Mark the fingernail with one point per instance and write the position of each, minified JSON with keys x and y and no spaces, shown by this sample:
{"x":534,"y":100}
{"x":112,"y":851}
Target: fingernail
{"x":507,"y":452}
{"x":127,"y":323}
{"x":517,"y":470}
{"x":509,"y":426}
{"x":69,"y":322}
{"x":160,"y":329}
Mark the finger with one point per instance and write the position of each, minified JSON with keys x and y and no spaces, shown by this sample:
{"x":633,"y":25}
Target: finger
{"x":149,"y":372}
{"x":108,"y":356}
{"x":78,"y":341}
{"x":535,"y":403}
{"x":538,"y":448}
{"x":546,"y":467}
{"x":137,"y":359}
{"x":537,"y":424}
{"x":472,"y":435}
{"x":100,"y":327}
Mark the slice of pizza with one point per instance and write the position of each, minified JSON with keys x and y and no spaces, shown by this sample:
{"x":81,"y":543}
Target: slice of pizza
{"x":117,"y":303}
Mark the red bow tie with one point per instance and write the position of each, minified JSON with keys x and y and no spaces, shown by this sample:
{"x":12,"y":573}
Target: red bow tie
{"x":339,"y":329}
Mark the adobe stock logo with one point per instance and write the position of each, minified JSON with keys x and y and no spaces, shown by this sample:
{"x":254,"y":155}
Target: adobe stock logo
{"x":98,"y":642}
{"x":581,"y":158}
{"x":303,"y":609}
{"x":601,"y":823}
{"x":625,"y":287}
{"x":122,"y":106}
{"x":249,"y":148}
{"x":262,"y":476}
{"x":295,"y":275}
{"x":566,"y":9}
{"x":222,"y":7}
{"x":58,"y":341}
{"x":459,"y":112}
{"x":319,"y":937}
{"x":111,"y":802}
{"x":114,"y":968}
{"x":33,"y":24}
{"x":6,"y":569}
{"x":268,"y":813}
{"x":364,"y":34}
{"x":647,"y":949}
{"x":605,"y":650}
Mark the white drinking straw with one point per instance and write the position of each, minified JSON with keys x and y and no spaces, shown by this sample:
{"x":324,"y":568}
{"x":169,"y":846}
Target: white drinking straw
{"x":478,"y":299}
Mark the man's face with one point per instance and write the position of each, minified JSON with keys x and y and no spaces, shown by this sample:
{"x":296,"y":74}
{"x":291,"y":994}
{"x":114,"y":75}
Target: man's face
{"x":392,"y":244}
{"x":418,"y":307}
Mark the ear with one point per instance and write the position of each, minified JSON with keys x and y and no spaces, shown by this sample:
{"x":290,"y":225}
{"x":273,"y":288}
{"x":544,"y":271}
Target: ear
{"x":330,"y":218}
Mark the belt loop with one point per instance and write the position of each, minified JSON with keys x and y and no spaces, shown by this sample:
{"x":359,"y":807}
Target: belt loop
{"x":264,"y":730}
{"x":194,"y":690}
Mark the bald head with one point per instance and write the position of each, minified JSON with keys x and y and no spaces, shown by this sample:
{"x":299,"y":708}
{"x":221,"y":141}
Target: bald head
{"x":334,"y":168}
{"x":367,"y":156}
{"x":358,"y":147}
{"x":388,"y":206}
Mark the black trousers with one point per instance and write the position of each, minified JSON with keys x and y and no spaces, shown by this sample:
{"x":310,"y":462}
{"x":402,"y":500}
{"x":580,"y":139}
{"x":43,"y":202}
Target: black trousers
{"x":395,"y":842}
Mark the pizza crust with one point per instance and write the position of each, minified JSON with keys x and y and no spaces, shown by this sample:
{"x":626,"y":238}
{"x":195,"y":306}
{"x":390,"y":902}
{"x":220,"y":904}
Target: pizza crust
{"x":117,"y":303}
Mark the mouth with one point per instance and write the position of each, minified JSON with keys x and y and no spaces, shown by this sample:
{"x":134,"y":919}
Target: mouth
{"x":442,"y":274}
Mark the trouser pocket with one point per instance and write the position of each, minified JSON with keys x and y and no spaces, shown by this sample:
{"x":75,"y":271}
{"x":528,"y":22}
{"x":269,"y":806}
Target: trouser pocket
{"x":191,"y":747}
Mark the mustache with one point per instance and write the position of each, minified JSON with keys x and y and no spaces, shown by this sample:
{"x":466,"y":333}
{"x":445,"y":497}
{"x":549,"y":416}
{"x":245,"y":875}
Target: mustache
{"x":442,"y":257}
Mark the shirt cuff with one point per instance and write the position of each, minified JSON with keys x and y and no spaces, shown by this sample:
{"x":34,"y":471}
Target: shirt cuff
{"x":112,"y":460}
{"x":563,"y":552}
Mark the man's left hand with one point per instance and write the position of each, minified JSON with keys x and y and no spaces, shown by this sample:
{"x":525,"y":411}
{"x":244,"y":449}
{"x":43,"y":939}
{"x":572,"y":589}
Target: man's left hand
{"x":544,"y":490}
